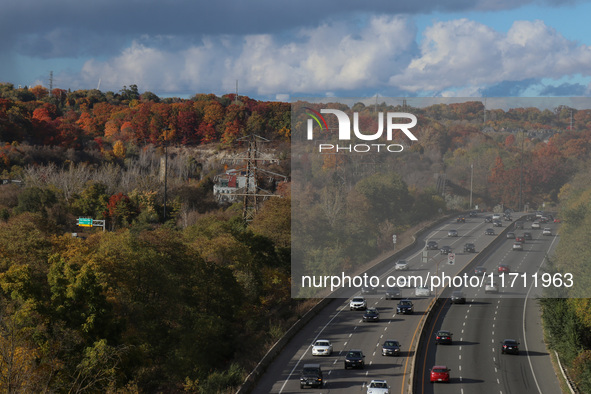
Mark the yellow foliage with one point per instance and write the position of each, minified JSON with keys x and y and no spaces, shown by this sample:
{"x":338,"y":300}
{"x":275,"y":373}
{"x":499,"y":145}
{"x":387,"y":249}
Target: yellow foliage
{"x":119,"y":149}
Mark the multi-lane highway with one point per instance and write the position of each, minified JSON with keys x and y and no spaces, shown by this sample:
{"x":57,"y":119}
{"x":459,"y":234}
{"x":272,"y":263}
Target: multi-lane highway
{"x":475,"y":359}
{"x":347,"y":331}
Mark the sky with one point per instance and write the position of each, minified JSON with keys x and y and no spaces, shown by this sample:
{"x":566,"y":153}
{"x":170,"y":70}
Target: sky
{"x":283,"y":50}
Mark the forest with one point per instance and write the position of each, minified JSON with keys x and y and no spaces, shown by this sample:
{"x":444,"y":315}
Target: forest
{"x":188,"y":301}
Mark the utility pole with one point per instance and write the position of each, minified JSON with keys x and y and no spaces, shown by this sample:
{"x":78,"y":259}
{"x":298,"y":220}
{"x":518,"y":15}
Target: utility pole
{"x":165,"y":131}
{"x":471,"y":178}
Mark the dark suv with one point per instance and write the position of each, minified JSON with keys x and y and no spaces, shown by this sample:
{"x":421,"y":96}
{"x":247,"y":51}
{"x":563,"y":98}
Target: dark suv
{"x":354,"y":359}
{"x":393,"y":292}
{"x":405,"y":307}
{"x":470,"y":247}
{"x":311,"y":376}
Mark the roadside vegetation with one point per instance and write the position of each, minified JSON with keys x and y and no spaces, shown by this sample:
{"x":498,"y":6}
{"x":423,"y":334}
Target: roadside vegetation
{"x":190,"y":300}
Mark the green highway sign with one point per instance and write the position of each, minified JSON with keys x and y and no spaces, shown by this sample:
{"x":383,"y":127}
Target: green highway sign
{"x":85,"y":222}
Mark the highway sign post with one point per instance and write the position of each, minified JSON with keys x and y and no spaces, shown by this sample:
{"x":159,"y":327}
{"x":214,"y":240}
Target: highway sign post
{"x":84,"y":222}
{"x":451,"y":258}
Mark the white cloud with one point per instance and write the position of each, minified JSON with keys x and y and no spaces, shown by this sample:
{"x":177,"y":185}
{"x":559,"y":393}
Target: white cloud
{"x":463,"y":53}
{"x":454,"y":57}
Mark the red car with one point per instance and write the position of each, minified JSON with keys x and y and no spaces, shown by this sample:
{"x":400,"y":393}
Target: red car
{"x":520,"y":239}
{"x":504,"y":268}
{"x":440,"y":373}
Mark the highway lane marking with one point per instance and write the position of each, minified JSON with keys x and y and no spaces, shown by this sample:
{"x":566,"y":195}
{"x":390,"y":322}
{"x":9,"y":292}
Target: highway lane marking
{"x":426,"y":347}
{"x":308,"y":348}
{"x":523,"y":321}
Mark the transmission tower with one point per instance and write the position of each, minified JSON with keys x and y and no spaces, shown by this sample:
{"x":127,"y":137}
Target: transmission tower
{"x":251,"y":193}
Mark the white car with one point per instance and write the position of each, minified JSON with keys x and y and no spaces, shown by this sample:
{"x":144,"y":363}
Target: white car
{"x":452,"y":233}
{"x":496,"y":216}
{"x":378,"y":387}
{"x":358,"y":303}
{"x":535,"y":225}
{"x":401,"y":265}
{"x":491,"y":288}
{"x":322,"y":347}
{"x":517,"y":246}
{"x":547,"y":231}
{"x":422,"y":291}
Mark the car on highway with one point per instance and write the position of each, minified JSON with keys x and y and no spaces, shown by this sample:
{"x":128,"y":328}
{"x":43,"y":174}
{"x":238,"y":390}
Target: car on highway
{"x":489,"y":231}
{"x":401,"y":265}
{"x":422,"y":291}
{"x":470,"y":247}
{"x":452,"y":233}
{"x":378,"y":387}
{"x":508,"y":218}
{"x":517,"y":246}
{"x":354,"y":359}
{"x":322,"y":347}
{"x":369,"y":290}
{"x":519,"y":225}
{"x":461,"y":219}
{"x":510,"y":346}
{"x":432,"y":245}
{"x":473,"y":214}
{"x":458,"y":297}
{"x":527,"y":235}
{"x":445,"y":249}
{"x":491,"y":288}
{"x":503,"y":268}
{"x":371,"y":315}
{"x":535,"y":226}
{"x":547,"y":231}
{"x":391,"y":348}
{"x":496,"y":216}
{"x":439,"y":373}
{"x":311,"y":376}
{"x":488,"y":219}
{"x":358,"y":303}
{"x":497,"y":223}
{"x":520,"y":238}
{"x":480,"y":270}
{"x":393,"y":293}
{"x":510,"y":235}
{"x":443,"y":337}
{"x":405,"y":307}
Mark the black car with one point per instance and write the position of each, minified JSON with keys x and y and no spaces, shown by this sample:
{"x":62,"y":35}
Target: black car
{"x":371,"y":314}
{"x":432,"y":245}
{"x":480,"y":270}
{"x":519,"y":225}
{"x":311,"y":376}
{"x":391,"y":348}
{"x":445,"y":250}
{"x":354,"y":359}
{"x":497,"y":223}
{"x":510,"y":235}
{"x":405,"y":307}
{"x":489,"y":231}
{"x":470,"y":247}
{"x":458,"y":297}
{"x":393,"y":293}
{"x":473,"y":214}
{"x":527,"y":235}
{"x":510,"y":346}
{"x":488,"y":219}
{"x":369,"y":290}
{"x":461,"y":219}
{"x":443,"y":337}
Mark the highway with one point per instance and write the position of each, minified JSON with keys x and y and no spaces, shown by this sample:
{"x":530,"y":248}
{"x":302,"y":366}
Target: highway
{"x":475,"y":359}
{"x":346,"y":329}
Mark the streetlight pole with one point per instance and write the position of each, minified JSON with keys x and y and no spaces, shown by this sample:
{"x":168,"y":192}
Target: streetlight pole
{"x":471,"y":178}
{"x":521,"y":174}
